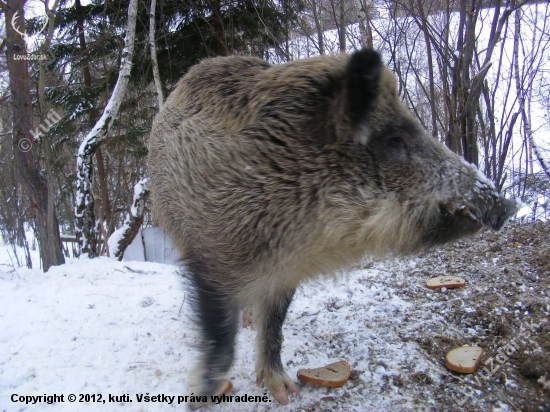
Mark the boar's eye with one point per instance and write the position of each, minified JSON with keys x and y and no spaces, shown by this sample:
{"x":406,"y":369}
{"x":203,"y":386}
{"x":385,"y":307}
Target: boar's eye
{"x":397,"y":142}
{"x":395,"y":148}
{"x":393,"y":141}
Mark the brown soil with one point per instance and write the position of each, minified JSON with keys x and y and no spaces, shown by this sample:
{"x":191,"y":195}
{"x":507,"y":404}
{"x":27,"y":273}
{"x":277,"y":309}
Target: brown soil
{"x":503,"y":308}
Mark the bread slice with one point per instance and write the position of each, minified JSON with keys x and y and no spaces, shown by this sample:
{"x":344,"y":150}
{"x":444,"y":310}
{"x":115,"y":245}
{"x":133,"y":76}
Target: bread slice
{"x":333,"y":375}
{"x":445,"y":281}
{"x":464,"y":359}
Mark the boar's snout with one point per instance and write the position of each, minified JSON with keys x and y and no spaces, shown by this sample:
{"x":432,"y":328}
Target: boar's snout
{"x":478,"y":204}
{"x":456,"y":222}
{"x":489,"y":207}
{"x":483,"y":206}
{"x":509,"y":209}
{"x":493,"y":212}
{"x":493,"y":215}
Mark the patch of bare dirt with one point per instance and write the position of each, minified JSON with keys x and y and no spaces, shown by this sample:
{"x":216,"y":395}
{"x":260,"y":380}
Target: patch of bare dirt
{"x":504,"y":308}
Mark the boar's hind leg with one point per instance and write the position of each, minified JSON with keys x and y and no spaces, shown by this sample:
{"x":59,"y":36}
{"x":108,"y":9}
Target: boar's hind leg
{"x":271,"y":313}
{"x":217,"y":315}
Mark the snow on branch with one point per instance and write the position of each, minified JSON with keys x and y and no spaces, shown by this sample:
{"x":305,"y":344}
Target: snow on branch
{"x":121,"y":238}
{"x":84,"y":208}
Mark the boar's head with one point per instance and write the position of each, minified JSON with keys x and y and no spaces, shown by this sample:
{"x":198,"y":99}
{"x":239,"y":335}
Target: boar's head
{"x":414,"y":191}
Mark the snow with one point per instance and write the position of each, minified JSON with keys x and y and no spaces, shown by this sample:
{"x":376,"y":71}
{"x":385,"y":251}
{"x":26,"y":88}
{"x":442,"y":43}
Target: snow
{"x":115,"y":237}
{"x":139,"y":188}
{"x":112,"y":328}
{"x":118,"y":234}
{"x":103,"y":327}
{"x":482,"y":182}
{"x":524,"y":211}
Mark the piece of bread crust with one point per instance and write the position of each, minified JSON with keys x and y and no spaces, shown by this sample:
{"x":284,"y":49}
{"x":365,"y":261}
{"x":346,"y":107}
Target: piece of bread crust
{"x":445,"y":282}
{"x":333,"y":375}
{"x":464,"y":359}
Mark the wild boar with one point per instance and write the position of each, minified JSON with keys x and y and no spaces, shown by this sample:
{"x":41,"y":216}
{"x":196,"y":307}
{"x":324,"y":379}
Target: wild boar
{"x":266,"y":175}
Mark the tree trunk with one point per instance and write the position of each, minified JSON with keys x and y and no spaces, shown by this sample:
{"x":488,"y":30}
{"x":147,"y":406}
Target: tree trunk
{"x":424,"y":28}
{"x":466,"y":91}
{"x":218,"y":31}
{"x":342,"y":26}
{"x":85,"y":215}
{"x":154,"y":61}
{"x":106,"y":204}
{"x":33,"y":183}
{"x":525,"y":112}
{"x":364,"y":18}
{"x":122,"y":238}
{"x":318,"y":28}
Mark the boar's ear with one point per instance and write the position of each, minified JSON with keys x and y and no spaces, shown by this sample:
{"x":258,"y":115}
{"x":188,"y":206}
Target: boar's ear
{"x":363,"y":83}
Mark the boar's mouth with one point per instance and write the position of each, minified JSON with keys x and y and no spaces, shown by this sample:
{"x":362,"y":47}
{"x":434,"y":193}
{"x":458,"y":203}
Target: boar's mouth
{"x":494,"y":215}
{"x":451,"y":224}
{"x":469,"y":216}
{"x":454,"y":223}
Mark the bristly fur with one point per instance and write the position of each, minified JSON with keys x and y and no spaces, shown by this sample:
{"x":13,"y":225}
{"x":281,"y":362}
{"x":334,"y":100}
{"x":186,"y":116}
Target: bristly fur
{"x":264,"y":176}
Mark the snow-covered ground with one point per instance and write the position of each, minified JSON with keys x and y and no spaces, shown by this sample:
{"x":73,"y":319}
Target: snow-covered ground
{"x":97,"y":327}
{"x":101,"y":327}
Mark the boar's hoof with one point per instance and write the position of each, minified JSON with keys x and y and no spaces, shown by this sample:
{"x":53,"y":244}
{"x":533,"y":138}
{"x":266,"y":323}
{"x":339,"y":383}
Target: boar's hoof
{"x":279,"y":384}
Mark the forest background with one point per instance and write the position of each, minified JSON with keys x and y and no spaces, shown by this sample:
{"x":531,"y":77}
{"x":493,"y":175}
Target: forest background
{"x":80,"y":84}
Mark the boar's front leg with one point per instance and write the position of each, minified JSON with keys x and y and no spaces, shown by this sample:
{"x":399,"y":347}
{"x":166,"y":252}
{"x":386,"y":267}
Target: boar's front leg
{"x":217,"y":315}
{"x":271,"y":312}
